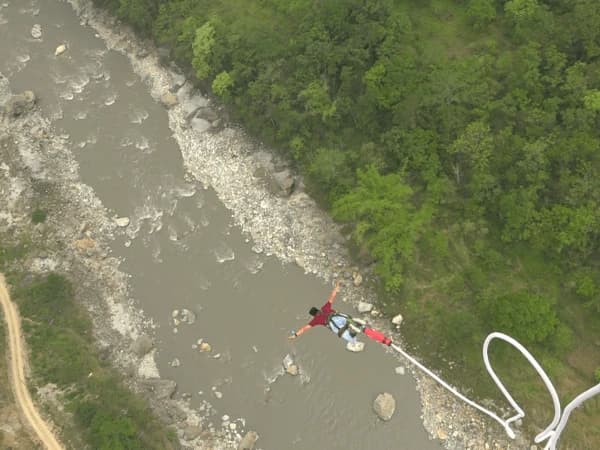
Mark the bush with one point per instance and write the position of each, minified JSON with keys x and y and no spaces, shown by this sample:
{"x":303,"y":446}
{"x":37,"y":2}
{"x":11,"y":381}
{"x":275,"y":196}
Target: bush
{"x":386,"y":221}
{"x":529,"y":318}
{"x":329,"y":172}
{"x":481,"y":12}
{"x":50,"y":301}
{"x":38,"y":216}
{"x":222,"y":84}
{"x":597,"y":374}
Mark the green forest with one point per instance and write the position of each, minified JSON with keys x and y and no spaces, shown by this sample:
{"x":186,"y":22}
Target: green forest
{"x":459,"y":140}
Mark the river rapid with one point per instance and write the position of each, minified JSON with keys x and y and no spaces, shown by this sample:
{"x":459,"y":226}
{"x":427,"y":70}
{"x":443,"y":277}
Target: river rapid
{"x":195,"y":243}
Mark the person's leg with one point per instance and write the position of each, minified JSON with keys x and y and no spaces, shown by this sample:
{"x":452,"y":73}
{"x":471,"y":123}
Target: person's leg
{"x":347,"y":336}
{"x":377,"y":336}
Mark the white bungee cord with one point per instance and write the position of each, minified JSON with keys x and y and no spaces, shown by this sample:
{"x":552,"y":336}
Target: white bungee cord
{"x":553,"y":430}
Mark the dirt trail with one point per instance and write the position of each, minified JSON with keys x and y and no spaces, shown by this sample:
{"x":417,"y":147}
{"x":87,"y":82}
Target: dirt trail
{"x":17,"y":375}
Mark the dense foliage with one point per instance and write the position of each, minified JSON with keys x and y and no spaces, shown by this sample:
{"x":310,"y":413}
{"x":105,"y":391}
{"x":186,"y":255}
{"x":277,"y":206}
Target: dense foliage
{"x":462,"y":138}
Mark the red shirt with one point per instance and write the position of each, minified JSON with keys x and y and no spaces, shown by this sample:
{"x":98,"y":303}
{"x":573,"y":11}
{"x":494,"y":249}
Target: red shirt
{"x":321,"y":317}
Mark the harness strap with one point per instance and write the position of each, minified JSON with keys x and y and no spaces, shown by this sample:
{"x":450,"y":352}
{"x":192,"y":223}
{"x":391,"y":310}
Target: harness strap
{"x":354,"y":328}
{"x":343,"y":329}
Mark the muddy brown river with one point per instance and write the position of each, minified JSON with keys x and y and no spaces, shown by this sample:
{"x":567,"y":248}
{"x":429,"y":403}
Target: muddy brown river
{"x":183,"y":250}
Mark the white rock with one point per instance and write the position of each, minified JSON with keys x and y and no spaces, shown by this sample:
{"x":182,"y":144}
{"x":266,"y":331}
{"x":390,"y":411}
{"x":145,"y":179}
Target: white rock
{"x":218,"y":394}
{"x":200,"y":125}
{"x":36,"y":31}
{"x":175,"y":363}
{"x":364,"y":307}
{"x":357,"y":279}
{"x":397,"y":320}
{"x":192,"y":432}
{"x":232,"y":426}
{"x":205,"y":347}
{"x":168,"y":99}
{"x":122,"y":221}
{"x":288,"y":361}
{"x":175,"y":313}
{"x":60,"y":50}
{"x":292,"y":370}
{"x":400,"y":370}
{"x":225,"y":418}
{"x":355,"y":347}
{"x":188,"y":316}
{"x":248,"y":441}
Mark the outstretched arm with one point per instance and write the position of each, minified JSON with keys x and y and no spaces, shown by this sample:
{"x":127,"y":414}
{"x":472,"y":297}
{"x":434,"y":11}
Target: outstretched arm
{"x":300,"y":331}
{"x":334,"y":292}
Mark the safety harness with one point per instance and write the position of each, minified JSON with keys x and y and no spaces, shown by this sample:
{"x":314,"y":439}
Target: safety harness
{"x":353,"y":326}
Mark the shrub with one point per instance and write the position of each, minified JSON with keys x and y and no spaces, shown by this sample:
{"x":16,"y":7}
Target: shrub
{"x":38,"y":216}
{"x":481,"y":12}
{"x":529,"y":318}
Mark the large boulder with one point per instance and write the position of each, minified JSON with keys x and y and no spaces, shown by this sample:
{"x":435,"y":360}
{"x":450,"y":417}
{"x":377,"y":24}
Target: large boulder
{"x":162,"y":389}
{"x":355,"y":346}
{"x":207,"y":113}
{"x":169,"y":100}
{"x":193,"y":104}
{"x":364,"y":307}
{"x":248,"y":441}
{"x":357,"y":279}
{"x":36,"y":31}
{"x":191,"y":432}
{"x":60,"y":50}
{"x":187,"y":316}
{"x":178,"y":82}
{"x":142,"y":345}
{"x":19,"y":104}
{"x":290,"y":365}
{"x":200,"y":125}
{"x":122,"y":221}
{"x":164,"y":55}
{"x":397,"y":320}
{"x":384,"y":406}
{"x":285,"y":182}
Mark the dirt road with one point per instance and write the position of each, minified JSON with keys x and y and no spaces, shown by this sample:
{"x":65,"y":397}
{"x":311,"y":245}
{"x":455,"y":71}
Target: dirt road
{"x":17,"y":374}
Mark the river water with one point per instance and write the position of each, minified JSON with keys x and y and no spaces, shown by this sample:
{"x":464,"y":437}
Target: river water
{"x":183,"y":250}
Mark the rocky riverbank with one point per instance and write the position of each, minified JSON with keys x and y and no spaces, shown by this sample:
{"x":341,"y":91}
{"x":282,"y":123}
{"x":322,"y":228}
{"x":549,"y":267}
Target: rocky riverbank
{"x":37,"y":170}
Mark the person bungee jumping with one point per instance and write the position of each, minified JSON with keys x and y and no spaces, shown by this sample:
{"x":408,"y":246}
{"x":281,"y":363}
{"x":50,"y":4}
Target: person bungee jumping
{"x":341,"y":324}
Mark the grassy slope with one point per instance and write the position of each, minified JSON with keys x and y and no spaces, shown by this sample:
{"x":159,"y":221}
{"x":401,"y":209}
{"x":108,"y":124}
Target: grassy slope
{"x":59,"y":336}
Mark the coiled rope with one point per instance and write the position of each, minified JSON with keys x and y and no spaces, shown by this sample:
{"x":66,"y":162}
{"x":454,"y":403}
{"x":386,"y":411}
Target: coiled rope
{"x":553,"y":431}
